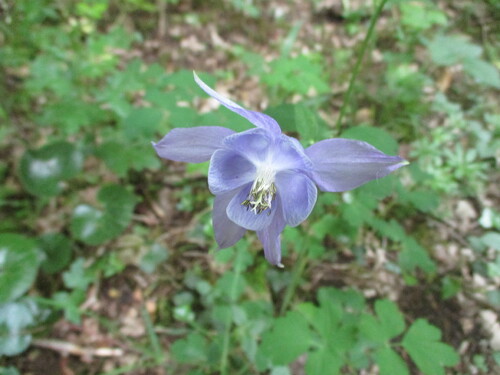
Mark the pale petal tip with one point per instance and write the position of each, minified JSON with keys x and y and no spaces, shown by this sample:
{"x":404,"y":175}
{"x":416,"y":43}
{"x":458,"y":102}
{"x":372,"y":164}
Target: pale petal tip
{"x":404,"y":162}
{"x":280,"y":265}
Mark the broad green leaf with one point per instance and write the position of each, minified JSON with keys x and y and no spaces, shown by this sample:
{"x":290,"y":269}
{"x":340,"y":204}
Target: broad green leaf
{"x":57,"y":249}
{"x":192,"y":349}
{"x":289,"y":337}
{"x":422,"y":342}
{"x":18,"y":265}
{"x":15,"y":318}
{"x":95,"y":226}
{"x":377,"y":137}
{"x":42,"y":171}
{"x":389,"y":362}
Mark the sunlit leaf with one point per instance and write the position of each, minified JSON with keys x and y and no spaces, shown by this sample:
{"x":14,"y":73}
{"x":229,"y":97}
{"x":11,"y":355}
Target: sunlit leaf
{"x":42,"y":171}
{"x":19,"y":262}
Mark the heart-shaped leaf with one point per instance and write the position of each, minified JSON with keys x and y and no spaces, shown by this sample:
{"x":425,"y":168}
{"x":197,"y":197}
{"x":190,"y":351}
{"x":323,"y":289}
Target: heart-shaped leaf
{"x":42,"y":171}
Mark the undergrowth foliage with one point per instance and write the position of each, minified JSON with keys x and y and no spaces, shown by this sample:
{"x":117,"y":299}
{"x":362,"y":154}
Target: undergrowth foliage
{"x":95,"y":231}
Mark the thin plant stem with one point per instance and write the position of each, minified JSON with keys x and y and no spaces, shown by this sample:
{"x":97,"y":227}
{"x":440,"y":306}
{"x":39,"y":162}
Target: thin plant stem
{"x":298,"y":268}
{"x":227,"y":328}
{"x":357,"y":67}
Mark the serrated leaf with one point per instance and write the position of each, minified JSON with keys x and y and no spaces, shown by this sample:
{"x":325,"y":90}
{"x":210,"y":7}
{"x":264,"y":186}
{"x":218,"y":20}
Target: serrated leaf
{"x":422,"y":342}
{"x":289,"y":337}
{"x":323,"y":361}
{"x":414,"y":255}
{"x":95,"y":226}
{"x":390,"y":317}
{"x":42,"y":171}
{"x":18,"y":265}
{"x":451,"y":50}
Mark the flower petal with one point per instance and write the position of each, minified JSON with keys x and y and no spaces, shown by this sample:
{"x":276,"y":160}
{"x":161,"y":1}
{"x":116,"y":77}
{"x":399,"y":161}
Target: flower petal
{"x":253,"y":144}
{"x":297,"y":195}
{"x":193,"y":145}
{"x":229,"y":170}
{"x":226,"y":232}
{"x":344,"y":164}
{"x":258,"y":119}
{"x":246,"y":218}
{"x":271,"y":239}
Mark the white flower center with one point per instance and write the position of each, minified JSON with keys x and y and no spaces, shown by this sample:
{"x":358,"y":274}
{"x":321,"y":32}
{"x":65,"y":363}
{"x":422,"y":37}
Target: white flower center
{"x":263,"y":190}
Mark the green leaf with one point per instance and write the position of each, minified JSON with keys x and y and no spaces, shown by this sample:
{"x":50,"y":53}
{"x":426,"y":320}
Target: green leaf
{"x":389,"y":362}
{"x":323,"y":361}
{"x":15,"y":318}
{"x":116,"y":157}
{"x":18,"y":265}
{"x":306,"y":123}
{"x":95,"y":226}
{"x":423,"y":345}
{"x":483,"y":72}
{"x":78,"y":276}
{"x":153,"y":258}
{"x":289,"y":338}
{"x":57,"y":249}
{"x":70,"y":304}
{"x":142,"y":123}
{"x":8,"y":371}
{"x":390,"y":317}
{"x":414,"y":255}
{"x":192,"y":349}
{"x":451,"y":50}
{"x":377,"y":137}
{"x":491,"y":239}
{"x":421,"y":15}
{"x":42,"y":171}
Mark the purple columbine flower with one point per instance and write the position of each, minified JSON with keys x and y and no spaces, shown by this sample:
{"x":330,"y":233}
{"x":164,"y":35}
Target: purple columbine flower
{"x":263,"y":179}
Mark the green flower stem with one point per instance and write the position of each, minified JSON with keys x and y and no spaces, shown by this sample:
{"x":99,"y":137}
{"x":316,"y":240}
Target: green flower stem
{"x":228,"y":320}
{"x":298,"y":269}
{"x":357,"y":67}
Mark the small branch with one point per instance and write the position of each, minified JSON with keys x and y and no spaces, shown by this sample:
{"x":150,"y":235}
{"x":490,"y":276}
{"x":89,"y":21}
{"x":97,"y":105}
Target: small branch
{"x":68,"y":348}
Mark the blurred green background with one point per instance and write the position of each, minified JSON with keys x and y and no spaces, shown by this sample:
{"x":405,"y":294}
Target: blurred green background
{"x":108,"y":263}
